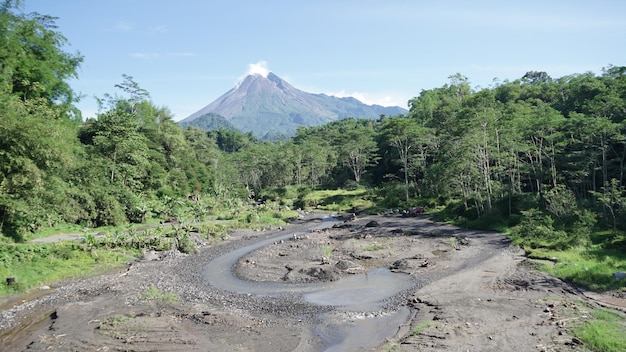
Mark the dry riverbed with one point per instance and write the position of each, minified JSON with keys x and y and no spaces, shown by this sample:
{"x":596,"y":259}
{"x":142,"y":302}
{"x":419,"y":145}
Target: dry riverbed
{"x":467,"y":291}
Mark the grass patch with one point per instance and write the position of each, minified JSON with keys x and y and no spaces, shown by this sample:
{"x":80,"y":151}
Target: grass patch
{"x":156,"y":296}
{"x":33,"y":265}
{"x":419,"y":328}
{"x":609,"y":238}
{"x":453,"y":242}
{"x":375,"y":246}
{"x":120,"y":327}
{"x":605,"y":332}
{"x":489,"y":222}
{"x":58,"y":229}
{"x":592,"y":268}
{"x":394,"y":347}
{"x":265,"y":215}
{"x":158,"y":299}
{"x":116,"y":321}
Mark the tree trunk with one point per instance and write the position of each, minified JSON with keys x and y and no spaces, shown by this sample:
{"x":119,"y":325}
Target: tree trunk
{"x":406,"y":179}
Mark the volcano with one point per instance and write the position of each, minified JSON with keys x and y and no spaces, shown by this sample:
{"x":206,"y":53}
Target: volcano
{"x":269,"y":107}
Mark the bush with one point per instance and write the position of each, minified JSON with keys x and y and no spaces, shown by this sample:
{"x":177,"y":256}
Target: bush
{"x":16,"y":221}
{"x":109,"y":210}
{"x":186,"y":244}
{"x":536,"y":230}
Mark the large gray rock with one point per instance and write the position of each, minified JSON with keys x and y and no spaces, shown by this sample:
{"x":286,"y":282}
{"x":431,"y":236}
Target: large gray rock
{"x":312,"y":274}
{"x":346,"y":265}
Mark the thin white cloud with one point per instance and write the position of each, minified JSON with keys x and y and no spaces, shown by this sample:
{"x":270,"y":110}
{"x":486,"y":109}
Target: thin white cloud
{"x":145,"y":56}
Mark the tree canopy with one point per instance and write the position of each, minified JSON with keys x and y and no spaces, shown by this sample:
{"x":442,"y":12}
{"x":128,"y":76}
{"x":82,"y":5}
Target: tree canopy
{"x":546,"y":149}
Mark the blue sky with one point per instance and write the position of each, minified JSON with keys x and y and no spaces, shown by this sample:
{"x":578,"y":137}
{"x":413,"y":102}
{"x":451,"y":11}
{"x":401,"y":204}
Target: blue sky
{"x":187,"y":53}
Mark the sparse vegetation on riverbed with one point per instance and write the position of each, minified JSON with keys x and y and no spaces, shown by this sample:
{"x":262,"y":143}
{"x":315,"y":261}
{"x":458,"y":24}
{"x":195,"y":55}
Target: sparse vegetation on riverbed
{"x":27,"y":265}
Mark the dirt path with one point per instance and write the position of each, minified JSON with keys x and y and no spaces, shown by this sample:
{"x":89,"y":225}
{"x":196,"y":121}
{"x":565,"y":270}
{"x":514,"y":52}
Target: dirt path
{"x":471,"y":291}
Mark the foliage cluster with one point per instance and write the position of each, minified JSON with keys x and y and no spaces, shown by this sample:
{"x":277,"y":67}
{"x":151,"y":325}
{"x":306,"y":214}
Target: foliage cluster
{"x":543,"y":156}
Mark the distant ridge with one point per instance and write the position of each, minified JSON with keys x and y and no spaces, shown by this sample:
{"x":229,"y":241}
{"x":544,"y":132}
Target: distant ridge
{"x":270,"y":107}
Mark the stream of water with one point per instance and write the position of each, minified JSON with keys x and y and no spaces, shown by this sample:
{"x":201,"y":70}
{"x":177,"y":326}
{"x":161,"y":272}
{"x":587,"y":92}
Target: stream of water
{"x":357,"y":321}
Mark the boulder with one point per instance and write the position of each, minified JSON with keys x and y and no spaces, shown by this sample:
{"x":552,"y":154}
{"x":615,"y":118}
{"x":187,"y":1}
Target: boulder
{"x":322,"y":274}
{"x":312,"y":274}
{"x":346,"y":265}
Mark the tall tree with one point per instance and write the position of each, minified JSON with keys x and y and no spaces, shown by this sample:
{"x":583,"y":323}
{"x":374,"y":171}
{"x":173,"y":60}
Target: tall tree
{"x":118,"y":139}
{"x":411,"y":141}
{"x":33,"y":63}
{"x":357,"y":149}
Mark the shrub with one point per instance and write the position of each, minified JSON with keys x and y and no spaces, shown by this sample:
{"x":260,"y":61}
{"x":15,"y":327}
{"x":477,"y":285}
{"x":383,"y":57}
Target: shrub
{"x":158,"y":299}
{"x":327,"y":252}
{"x":536,"y":230}
{"x":109,"y":210}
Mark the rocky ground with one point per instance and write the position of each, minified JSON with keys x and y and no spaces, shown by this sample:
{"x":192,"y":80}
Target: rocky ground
{"x":472,"y":291}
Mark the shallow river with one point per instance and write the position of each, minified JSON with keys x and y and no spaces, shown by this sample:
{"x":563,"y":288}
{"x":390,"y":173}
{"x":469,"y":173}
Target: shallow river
{"x":358,"y":320}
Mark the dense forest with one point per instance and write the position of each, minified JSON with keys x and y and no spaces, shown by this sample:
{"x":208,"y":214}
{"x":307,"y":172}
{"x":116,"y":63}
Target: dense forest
{"x":543,"y":155}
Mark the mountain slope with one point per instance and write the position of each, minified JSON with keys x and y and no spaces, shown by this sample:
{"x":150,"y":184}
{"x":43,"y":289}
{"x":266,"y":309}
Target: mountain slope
{"x":271,"y":106}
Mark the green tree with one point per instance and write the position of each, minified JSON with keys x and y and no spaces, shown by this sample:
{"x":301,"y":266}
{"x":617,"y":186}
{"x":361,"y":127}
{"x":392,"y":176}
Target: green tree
{"x":33,"y":63}
{"x":204,"y":147}
{"x":411,"y":141}
{"x":117,"y":139}
{"x":613,"y":198}
{"x":36,"y":147}
{"x":230,"y":140}
{"x":357,"y":149}
{"x":319,"y":159}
